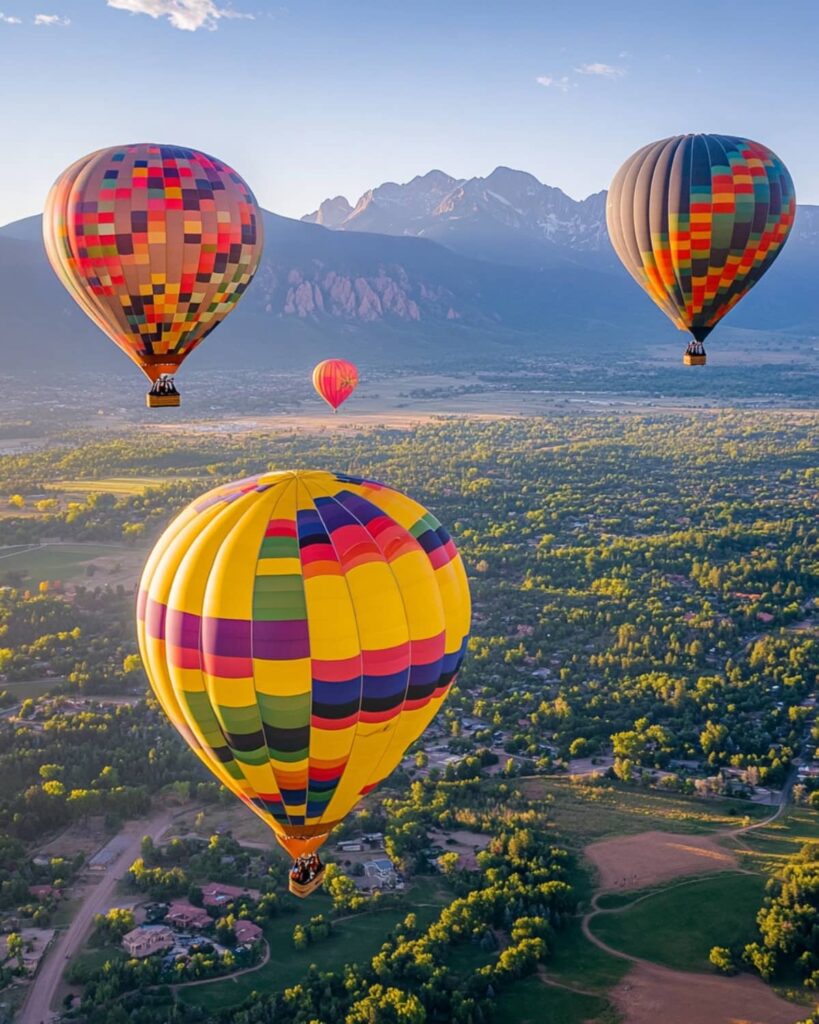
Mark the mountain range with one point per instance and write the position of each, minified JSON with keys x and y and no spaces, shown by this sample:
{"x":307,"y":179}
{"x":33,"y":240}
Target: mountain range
{"x":438,"y":268}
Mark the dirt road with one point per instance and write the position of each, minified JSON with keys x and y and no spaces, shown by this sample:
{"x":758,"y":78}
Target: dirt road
{"x":651,"y":992}
{"x":37,"y":1007}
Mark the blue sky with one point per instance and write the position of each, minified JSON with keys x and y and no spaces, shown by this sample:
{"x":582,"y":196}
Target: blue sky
{"x":310,"y":98}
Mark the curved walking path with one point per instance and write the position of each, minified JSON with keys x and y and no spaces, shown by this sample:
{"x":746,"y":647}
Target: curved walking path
{"x":595,"y":909}
{"x":226,"y":977}
{"x":649,"y":991}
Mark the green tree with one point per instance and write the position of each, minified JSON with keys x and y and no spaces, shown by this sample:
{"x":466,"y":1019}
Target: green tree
{"x":387,"y":1005}
{"x":723,"y":959}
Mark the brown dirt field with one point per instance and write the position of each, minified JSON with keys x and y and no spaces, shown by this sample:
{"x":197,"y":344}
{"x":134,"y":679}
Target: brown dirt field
{"x":636,"y":862}
{"x":649,"y":993}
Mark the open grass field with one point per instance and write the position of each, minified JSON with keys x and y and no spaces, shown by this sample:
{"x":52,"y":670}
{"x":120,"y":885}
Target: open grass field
{"x":109,"y":485}
{"x":678,"y":926}
{"x":768,"y":847}
{"x":577,"y":963}
{"x":531,"y":1001}
{"x":354,"y":940}
{"x":23,"y":688}
{"x":234,"y":818}
{"x":583,"y":814}
{"x":57,"y":561}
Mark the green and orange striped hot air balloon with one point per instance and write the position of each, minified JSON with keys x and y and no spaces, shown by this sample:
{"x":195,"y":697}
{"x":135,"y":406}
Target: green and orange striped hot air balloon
{"x":697,"y":220}
{"x":335,"y":380}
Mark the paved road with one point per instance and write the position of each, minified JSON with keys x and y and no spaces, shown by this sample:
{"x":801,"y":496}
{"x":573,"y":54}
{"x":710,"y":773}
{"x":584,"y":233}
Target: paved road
{"x":37,"y":1007}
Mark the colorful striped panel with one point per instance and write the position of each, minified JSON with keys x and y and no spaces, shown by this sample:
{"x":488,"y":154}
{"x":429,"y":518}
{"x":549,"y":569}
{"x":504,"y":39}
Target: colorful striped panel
{"x":697,"y":220}
{"x":301,"y":630}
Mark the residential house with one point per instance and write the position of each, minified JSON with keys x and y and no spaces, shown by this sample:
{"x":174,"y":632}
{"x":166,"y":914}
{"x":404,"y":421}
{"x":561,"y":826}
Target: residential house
{"x":247,"y":932}
{"x":217,"y":894}
{"x":380,"y":872}
{"x":147,"y":939}
{"x":44,"y":892}
{"x":184,"y":915}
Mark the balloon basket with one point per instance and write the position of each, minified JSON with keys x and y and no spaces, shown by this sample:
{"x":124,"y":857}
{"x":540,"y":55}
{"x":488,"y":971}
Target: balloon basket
{"x":163,"y":393}
{"x":694,"y":359}
{"x":161,"y":401}
{"x":303,"y":889}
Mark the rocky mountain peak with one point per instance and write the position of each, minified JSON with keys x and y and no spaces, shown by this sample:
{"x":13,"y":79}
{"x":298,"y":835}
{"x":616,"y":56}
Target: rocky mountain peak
{"x":331,"y":214}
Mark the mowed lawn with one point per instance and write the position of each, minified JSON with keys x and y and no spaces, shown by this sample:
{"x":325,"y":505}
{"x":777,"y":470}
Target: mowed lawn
{"x":55,"y":561}
{"x":355,"y":940}
{"x":678,"y":926}
{"x":579,"y":964}
{"x":531,"y":1001}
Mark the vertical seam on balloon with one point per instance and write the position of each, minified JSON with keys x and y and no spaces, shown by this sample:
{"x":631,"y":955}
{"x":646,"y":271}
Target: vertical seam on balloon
{"x":199,"y":646}
{"x":297,"y":480}
{"x":710,"y":226}
{"x":221,"y":544}
{"x":390,"y":742}
{"x":358,"y":636}
{"x":272,"y":512}
{"x":674,"y":293}
{"x":71,"y":240}
{"x":690,"y":155}
{"x":166,"y":218}
{"x":726,"y":265}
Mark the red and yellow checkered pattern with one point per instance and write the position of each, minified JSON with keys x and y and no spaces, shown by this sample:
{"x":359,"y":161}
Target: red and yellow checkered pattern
{"x":157,"y":244}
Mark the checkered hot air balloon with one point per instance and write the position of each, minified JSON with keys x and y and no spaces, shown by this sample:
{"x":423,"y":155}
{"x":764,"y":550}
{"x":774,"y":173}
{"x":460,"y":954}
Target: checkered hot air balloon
{"x":696,"y":221}
{"x":301,"y":630}
{"x":156,"y":244}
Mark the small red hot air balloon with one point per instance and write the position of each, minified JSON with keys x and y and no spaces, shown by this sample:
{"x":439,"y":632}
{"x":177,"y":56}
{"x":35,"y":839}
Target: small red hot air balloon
{"x":335,"y":380}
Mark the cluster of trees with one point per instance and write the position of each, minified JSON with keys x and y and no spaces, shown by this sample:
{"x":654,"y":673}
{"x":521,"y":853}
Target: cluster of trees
{"x":317,"y":928}
{"x":18,"y":872}
{"x":636,"y":585}
{"x":60,"y":764}
{"x":105,"y":987}
{"x":789,"y":922}
{"x":84,"y":644}
{"x":179,"y":867}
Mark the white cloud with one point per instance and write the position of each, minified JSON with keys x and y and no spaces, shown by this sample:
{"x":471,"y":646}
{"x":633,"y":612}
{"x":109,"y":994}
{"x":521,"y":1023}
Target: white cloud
{"x":601,"y":70}
{"x":50,"y":20}
{"x":550,"y":82}
{"x":9,"y":19}
{"x":188,"y":15}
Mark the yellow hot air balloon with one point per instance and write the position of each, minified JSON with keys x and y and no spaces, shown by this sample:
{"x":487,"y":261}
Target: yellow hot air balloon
{"x":301,"y":630}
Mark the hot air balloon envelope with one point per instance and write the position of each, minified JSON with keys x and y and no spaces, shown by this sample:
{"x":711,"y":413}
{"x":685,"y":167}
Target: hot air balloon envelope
{"x":156,"y":244}
{"x":300,"y":630}
{"x":697,"y":220}
{"x":335,"y":380}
